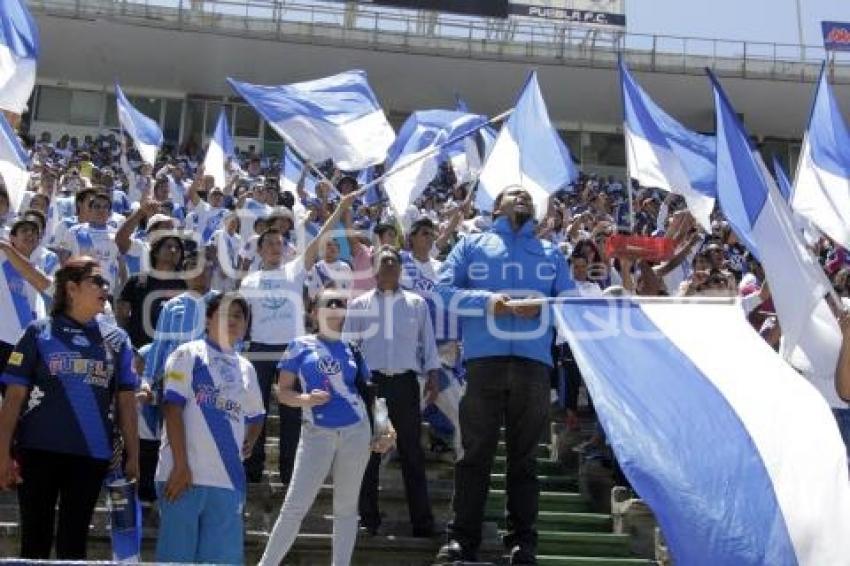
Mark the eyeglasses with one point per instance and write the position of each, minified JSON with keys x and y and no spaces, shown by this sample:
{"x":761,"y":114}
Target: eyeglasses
{"x":98,"y":280}
{"x":332,"y":304}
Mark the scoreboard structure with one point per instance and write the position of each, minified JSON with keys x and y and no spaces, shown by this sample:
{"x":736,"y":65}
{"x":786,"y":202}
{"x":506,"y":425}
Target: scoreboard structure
{"x":605,"y":14}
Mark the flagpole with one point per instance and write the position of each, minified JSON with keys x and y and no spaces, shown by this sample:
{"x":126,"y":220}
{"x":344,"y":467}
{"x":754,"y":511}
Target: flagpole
{"x":436,"y":148}
{"x":541,"y":301}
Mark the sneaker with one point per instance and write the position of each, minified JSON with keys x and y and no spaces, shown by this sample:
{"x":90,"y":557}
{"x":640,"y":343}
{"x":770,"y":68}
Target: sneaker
{"x":522,"y":555}
{"x":453,"y":552}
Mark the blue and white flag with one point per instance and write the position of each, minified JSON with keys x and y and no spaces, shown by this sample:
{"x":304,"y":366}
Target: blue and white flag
{"x":337,"y":118}
{"x":809,"y":231}
{"x":528,"y":153}
{"x":706,"y":439}
{"x":486,"y":136}
{"x":145,"y":132}
{"x":219,"y":151}
{"x":822,"y":185}
{"x":762,"y":220}
{"x":662,"y":153}
{"x":14,"y":165}
{"x":783,"y":183}
{"x":291,"y":167}
{"x":420,"y":136}
{"x":19,"y":49}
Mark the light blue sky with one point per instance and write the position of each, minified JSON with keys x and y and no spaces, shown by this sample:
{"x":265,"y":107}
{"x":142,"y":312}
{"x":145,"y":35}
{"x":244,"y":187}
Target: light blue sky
{"x":772,"y":21}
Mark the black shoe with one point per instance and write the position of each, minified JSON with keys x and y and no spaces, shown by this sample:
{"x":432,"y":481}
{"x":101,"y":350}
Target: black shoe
{"x":424,"y":532}
{"x":454,"y":552}
{"x":522,"y":555}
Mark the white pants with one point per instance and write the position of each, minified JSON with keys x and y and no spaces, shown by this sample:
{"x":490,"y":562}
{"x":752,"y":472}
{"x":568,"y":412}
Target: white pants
{"x":346,"y":451}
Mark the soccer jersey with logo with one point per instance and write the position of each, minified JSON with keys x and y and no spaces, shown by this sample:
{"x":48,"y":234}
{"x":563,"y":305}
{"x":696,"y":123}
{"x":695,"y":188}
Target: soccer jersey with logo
{"x":97,"y":242}
{"x":329,"y":365}
{"x":275,"y":296}
{"x":20,"y":302}
{"x":72,"y":371}
{"x":219,"y":395}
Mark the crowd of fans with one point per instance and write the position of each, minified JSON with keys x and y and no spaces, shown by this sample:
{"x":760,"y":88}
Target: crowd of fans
{"x":202,"y":278}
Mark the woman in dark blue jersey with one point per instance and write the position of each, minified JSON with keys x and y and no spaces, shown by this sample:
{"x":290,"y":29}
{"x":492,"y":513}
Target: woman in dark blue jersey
{"x":63,"y":379}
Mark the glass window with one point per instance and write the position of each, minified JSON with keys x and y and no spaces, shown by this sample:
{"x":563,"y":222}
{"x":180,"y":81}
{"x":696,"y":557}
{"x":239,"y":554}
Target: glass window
{"x":53,"y":104}
{"x":148,"y":106}
{"x":604,"y":149}
{"x":246,"y":123}
{"x":110,"y":117}
{"x":86,"y":107}
{"x":272,"y":142}
{"x":213,"y":110}
{"x":193,"y":128}
{"x":573,"y":141}
{"x":270,"y":134}
{"x":171,"y":123}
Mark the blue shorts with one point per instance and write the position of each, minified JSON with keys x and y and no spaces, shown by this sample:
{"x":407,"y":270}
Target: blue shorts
{"x":204,"y":525}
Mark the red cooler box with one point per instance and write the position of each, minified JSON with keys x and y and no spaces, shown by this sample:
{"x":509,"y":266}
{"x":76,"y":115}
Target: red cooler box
{"x":644,"y":247}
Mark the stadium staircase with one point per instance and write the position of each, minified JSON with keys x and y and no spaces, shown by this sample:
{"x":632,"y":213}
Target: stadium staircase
{"x":571,"y":534}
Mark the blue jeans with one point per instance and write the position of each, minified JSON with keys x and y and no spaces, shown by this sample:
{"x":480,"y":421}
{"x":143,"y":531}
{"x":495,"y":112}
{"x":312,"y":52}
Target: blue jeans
{"x":204,"y":525}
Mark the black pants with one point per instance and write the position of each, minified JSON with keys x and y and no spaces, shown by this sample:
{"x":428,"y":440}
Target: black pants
{"x":402,"y":394}
{"x":265,"y":358}
{"x":513,"y":391}
{"x":148,"y":459}
{"x":75,"y":482}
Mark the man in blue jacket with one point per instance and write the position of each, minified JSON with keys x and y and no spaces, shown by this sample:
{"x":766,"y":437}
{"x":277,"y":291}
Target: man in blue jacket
{"x":507,"y":350}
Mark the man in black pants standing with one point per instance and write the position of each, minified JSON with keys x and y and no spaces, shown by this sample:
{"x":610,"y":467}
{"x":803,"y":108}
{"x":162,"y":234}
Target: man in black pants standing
{"x":507,"y":350}
{"x":396,"y":336}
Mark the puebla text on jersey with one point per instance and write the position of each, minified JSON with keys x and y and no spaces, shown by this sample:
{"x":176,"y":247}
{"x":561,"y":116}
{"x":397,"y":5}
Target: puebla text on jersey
{"x":72,"y":371}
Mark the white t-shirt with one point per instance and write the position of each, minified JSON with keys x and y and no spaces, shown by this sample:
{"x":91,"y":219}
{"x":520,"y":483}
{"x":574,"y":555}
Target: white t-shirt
{"x":20,"y":302}
{"x":227,"y":254}
{"x":219,"y":394}
{"x":97,"y":242}
{"x":277,"y":305}
{"x":322,"y":273}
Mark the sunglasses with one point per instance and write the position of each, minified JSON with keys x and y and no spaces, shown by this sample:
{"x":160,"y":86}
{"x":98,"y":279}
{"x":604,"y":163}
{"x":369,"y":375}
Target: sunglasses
{"x":332,"y":304}
{"x":98,"y":280}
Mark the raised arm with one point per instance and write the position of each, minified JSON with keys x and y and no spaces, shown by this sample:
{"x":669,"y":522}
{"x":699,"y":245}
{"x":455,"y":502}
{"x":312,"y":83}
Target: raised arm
{"x":311,"y":252}
{"x":30,"y":272}
{"x":125,"y":231}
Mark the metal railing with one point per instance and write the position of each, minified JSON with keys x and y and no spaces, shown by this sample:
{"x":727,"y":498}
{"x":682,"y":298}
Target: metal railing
{"x":398,"y":29}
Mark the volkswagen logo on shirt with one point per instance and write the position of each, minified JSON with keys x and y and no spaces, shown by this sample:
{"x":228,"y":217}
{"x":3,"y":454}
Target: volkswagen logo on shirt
{"x":329,"y":366}
{"x":423,"y":284}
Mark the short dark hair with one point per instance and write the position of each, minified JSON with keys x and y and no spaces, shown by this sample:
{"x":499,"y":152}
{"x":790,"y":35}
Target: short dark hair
{"x":382,"y":228}
{"x":265,"y":234}
{"x":215,"y":299}
{"x":37,"y":215}
{"x":83,"y":196}
{"x":421,"y":223}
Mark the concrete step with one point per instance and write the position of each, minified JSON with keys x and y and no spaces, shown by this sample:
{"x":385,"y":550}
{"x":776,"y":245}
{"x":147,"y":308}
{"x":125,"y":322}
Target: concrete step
{"x":547,"y":483}
{"x":564,"y":502}
{"x":583,"y":544}
{"x":544,"y":450}
{"x":309,"y":549}
{"x":567,"y":522}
